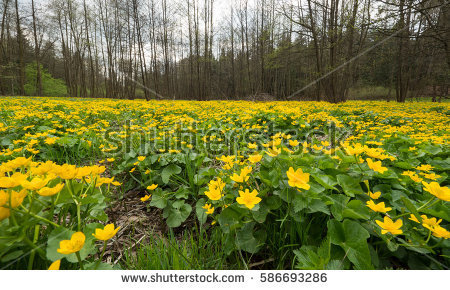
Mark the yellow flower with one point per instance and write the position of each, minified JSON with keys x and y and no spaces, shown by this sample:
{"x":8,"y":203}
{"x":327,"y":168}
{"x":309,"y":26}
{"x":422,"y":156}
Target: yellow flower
{"x":14,"y":180}
{"x":35,"y":184}
{"x":298,"y":178}
{"x":243,"y":176}
{"x":254,"y":158}
{"x":424,"y":167}
{"x":316,"y":147}
{"x":252,"y":146}
{"x":209,"y":209}
{"x":380,"y":207}
{"x":213,"y":194}
{"x":17,"y":197}
{"x":132,"y":169}
{"x":49,"y":191}
{"x":426,"y":221}
{"x":110,"y":159}
{"x":376,"y":166}
{"x":414,"y":219}
{"x":141,"y":158}
{"x":389,"y":226}
{"x":438,"y":231}
{"x":66,"y":171}
{"x":55,"y":265}
{"x":431,"y":176}
{"x":83,"y":172}
{"x":441,"y":192}
{"x":50,"y":141}
{"x":4,"y":213}
{"x":415,"y":178}
{"x":375,"y":195}
{"x":239,"y":178}
{"x":272,"y":152}
{"x":215,"y":189}
{"x":73,"y":245}
{"x":145,"y":198}
{"x":247,"y":198}
{"x":107,"y":233}
{"x":4,"y":197}
{"x":293,"y":143}
{"x":152,"y":187}
{"x":325,"y":143}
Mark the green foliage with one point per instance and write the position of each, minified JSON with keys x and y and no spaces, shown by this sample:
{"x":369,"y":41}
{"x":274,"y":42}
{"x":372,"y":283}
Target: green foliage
{"x":50,"y":86}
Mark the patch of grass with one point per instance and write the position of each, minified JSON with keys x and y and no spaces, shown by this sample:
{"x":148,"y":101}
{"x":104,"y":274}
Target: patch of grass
{"x":371,"y":93}
{"x":193,"y":250}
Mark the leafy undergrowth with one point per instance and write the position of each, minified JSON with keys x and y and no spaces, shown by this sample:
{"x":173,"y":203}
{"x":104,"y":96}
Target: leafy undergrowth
{"x":107,"y":184}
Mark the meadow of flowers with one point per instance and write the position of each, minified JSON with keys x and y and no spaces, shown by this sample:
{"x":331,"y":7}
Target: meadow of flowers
{"x":272,"y":185}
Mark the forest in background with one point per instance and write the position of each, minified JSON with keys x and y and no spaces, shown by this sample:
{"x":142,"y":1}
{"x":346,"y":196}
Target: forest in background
{"x":330,"y":50}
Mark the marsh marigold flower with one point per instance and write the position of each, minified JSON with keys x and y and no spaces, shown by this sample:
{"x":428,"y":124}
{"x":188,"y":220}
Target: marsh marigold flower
{"x":254,"y":158}
{"x":209,"y":208}
{"x":67,"y":171}
{"x":73,"y":245}
{"x":272,"y":152}
{"x":438,"y":231}
{"x":294,"y":143}
{"x":249,"y":199}
{"x":374,"y":195}
{"x":441,"y":192}
{"x":380,"y":207}
{"x":49,"y":191}
{"x":388,"y":226}
{"x":146,"y":197}
{"x":4,"y":213}
{"x":55,"y":265}
{"x":425,"y":220}
{"x":107,"y":233}
{"x":252,"y":146}
{"x":152,"y":187}
{"x":215,"y":189}
{"x":376,"y":166}
{"x":424,"y":167}
{"x":298,"y":178}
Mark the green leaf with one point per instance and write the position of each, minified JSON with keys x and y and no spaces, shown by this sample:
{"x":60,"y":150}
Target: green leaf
{"x":168,"y":171}
{"x":411,"y":208}
{"x":59,"y":234}
{"x":313,"y":258}
{"x":300,"y":202}
{"x":159,"y":199}
{"x":11,"y":256}
{"x":352,"y":238}
{"x":261,"y":213}
{"x":230,"y":217}
{"x":248,"y":240}
{"x":325,"y":180}
{"x":339,"y":204}
{"x":176,"y":216}
{"x":200,"y":211}
{"x":54,"y":238}
{"x":317,"y":205}
{"x":101,"y":266}
{"x":357,"y":210}
{"x":350,"y":185}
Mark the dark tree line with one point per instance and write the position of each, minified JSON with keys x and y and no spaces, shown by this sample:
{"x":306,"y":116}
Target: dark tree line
{"x":216,"y":49}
